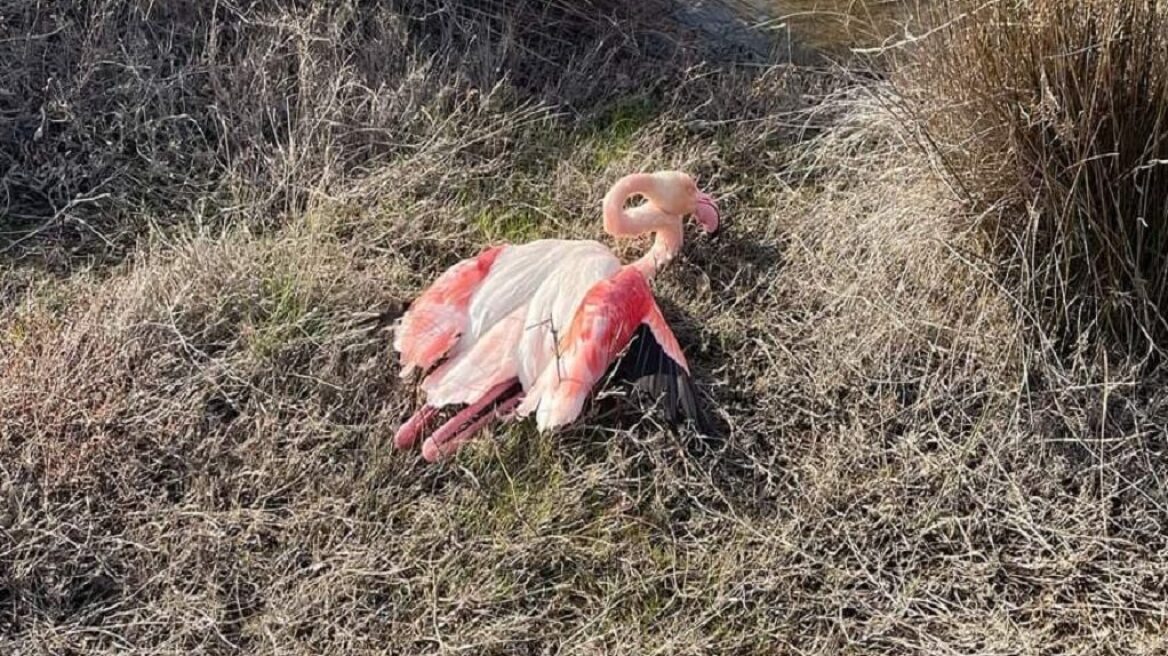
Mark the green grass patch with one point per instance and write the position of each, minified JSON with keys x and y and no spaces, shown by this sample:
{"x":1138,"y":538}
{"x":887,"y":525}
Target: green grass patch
{"x":513,"y":224}
{"x":613,"y":133}
{"x":283,"y":315}
{"x":521,"y":486}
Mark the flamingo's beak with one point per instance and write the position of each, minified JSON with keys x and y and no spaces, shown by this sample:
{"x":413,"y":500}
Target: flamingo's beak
{"x":707,"y":213}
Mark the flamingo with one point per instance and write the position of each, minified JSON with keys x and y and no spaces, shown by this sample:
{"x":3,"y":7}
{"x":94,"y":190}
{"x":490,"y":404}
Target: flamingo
{"x":530,"y":329}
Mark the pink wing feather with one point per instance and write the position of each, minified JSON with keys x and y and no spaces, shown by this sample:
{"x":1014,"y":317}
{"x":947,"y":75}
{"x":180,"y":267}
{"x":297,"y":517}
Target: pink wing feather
{"x":439,"y":316}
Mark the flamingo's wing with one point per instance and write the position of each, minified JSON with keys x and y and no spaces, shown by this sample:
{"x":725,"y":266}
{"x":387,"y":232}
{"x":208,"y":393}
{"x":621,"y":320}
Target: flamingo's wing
{"x":439,"y":316}
{"x":600,"y":329}
{"x":515,"y":278}
{"x":466,"y":377}
{"x":655,"y":367}
{"x":467,"y":302}
{"x":538,"y":285}
{"x":544,"y":279}
{"x":617,"y":313}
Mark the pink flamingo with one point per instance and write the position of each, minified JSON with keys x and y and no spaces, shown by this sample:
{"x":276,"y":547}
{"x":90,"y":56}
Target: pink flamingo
{"x":532,"y":328}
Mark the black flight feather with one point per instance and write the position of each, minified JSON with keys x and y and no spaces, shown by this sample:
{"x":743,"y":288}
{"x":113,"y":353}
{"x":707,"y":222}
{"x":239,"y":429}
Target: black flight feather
{"x":652,"y":372}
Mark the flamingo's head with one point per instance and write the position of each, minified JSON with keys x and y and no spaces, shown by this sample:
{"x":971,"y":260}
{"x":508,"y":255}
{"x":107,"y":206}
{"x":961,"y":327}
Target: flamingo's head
{"x":677,"y":193}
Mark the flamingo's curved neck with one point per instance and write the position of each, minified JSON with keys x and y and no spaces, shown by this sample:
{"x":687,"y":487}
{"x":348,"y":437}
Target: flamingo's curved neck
{"x":648,"y":217}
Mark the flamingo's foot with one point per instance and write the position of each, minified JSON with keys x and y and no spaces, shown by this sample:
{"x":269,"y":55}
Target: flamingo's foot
{"x":410,"y":431}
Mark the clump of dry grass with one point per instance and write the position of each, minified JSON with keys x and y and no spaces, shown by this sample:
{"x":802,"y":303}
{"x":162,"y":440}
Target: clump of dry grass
{"x":1055,"y":114}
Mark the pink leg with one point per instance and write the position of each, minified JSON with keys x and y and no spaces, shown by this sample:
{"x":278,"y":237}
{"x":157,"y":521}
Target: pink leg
{"x":446,"y":440}
{"x":410,"y":431}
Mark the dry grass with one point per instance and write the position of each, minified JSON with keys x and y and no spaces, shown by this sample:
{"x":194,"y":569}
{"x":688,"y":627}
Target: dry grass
{"x":1052,"y":118}
{"x":120,"y":116}
{"x":195,"y":436}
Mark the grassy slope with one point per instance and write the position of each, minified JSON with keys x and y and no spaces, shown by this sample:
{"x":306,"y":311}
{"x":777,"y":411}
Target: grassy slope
{"x":194,"y":434}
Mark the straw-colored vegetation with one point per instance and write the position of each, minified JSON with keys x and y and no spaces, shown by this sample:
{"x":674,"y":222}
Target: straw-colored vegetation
{"x":1053,"y":117}
{"x":915,"y":331}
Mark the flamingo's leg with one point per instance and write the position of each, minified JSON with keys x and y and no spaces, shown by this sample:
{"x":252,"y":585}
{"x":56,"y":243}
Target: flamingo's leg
{"x":410,"y":431}
{"x":432,"y":448}
{"x":435,"y":448}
